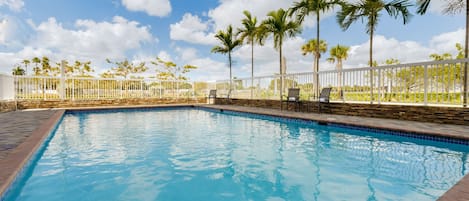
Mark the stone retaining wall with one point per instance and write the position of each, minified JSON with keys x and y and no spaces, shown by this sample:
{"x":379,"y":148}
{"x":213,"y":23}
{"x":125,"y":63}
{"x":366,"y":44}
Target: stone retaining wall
{"x":7,"y":106}
{"x":31,"y":104}
{"x":446,"y":115}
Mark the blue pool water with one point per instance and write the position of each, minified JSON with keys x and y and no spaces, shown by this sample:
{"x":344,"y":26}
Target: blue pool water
{"x":195,"y":154}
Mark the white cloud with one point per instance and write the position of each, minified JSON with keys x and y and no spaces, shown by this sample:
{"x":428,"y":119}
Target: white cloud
{"x":93,"y":39}
{"x":267,"y":57}
{"x":88,"y":40}
{"x":234,"y":8}
{"x":405,"y":51}
{"x":191,"y":29}
{"x":4,"y":31}
{"x":158,"y":8}
{"x":386,"y":48}
{"x":14,"y":5}
{"x":194,"y":30}
{"x":445,"y":42}
{"x":209,"y":69}
{"x":187,"y":54}
{"x":164,"y":56}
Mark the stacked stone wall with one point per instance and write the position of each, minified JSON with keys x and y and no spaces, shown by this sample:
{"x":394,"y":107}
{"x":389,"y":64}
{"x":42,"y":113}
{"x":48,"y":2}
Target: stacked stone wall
{"x":445,"y":115}
{"x":7,"y":106}
{"x":33,"y":104}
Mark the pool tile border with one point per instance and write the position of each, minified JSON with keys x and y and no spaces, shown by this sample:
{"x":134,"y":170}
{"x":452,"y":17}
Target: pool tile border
{"x":377,"y":129}
{"x":21,"y":156}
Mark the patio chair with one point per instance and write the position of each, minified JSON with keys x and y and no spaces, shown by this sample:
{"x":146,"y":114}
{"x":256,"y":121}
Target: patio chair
{"x":292,"y":97}
{"x":324,"y":98}
{"x":212,"y":94}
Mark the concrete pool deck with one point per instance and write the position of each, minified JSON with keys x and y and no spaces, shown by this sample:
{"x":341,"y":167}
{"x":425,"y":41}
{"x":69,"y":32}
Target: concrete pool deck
{"x":22,"y":132}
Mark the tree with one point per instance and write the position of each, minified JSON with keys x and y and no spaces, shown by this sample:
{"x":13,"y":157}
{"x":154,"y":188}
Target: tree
{"x":78,"y":69}
{"x":36,"y":68}
{"x":250,"y":33}
{"x":390,"y":72}
{"x":304,"y":8}
{"x":25,"y":62}
{"x":312,"y":47}
{"x":278,"y":24}
{"x":170,"y":71}
{"x":125,"y":68}
{"x":18,"y":70}
{"x":45,"y":69}
{"x":369,"y":11}
{"x":229,"y":42}
{"x":447,"y":74}
{"x":338,"y":54}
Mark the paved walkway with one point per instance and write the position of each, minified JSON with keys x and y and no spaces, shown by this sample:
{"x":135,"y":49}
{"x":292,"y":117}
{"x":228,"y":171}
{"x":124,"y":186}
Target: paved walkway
{"x":445,"y":130}
{"x":15,"y":127}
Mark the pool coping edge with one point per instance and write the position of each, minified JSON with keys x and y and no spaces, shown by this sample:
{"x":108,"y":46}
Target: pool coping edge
{"x":16,"y":160}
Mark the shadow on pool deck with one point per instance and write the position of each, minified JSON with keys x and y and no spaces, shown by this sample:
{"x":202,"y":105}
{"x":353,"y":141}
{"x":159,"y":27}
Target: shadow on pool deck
{"x":18,"y":128}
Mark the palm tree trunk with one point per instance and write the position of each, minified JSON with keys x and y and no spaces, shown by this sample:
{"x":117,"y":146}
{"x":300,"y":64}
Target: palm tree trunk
{"x":371,"y":64}
{"x":229,"y":61}
{"x":281,"y":73}
{"x":339,"y":68}
{"x":252,"y":67}
{"x":465,"y":55}
{"x":316,"y":61}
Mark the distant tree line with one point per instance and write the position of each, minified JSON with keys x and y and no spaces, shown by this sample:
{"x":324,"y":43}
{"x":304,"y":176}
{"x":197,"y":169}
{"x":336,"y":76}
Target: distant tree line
{"x":164,"y":70}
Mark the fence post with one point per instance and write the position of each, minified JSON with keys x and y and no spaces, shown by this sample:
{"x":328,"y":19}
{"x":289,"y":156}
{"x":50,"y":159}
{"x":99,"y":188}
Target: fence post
{"x":425,"y":84}
{"x":62,"y":80}
{"x":121,"y":89}
{"x":177,"y":90}
{"x":141,"y":88}
{"x":44,"y":88}
{"x":275,"y":86}
{"x":73,"y":89}
{"x":379,"y":86}
{"x":99,"y":90}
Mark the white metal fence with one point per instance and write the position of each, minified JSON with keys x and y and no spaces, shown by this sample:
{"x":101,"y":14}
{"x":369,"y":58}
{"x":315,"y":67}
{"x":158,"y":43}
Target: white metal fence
{"x":54,"y":88}
{"x":436,"y":82}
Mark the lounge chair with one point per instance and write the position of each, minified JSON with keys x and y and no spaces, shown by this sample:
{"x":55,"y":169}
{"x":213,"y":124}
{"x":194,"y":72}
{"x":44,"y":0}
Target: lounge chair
{"x":212,"y":94}
{"x":324,"y":98}
{"x":292,"y":97}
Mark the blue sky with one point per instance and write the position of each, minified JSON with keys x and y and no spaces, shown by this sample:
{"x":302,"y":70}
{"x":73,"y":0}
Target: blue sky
{"x":182,"y":31}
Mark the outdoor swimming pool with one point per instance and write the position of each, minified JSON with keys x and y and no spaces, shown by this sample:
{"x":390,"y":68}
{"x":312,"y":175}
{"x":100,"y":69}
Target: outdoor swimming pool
{"x":201,"y":154}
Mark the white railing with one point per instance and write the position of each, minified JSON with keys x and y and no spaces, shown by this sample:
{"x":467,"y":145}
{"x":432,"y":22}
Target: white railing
{"x":69,"y":88}
{"x":7,"y":87}
{"x":426,"y":83}
{"x":436,"y":82}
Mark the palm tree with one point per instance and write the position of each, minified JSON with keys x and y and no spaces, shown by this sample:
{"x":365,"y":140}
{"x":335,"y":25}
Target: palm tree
{"x":315,"y":50}
{"x":304,"y":8}
{"x":278,"y":24}
{"x":369,"y":11}
{"x":250,"y":33}
{"x":228,"y":42}
{"x":453,"y":6}
{"x":26,"y":62}
{"x":18,"y":71}
{"x":36,"y":61}
{"x":338,"y":54}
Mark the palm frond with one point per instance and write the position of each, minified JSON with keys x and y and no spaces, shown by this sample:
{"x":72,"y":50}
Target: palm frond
{"x":422,"y":6}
